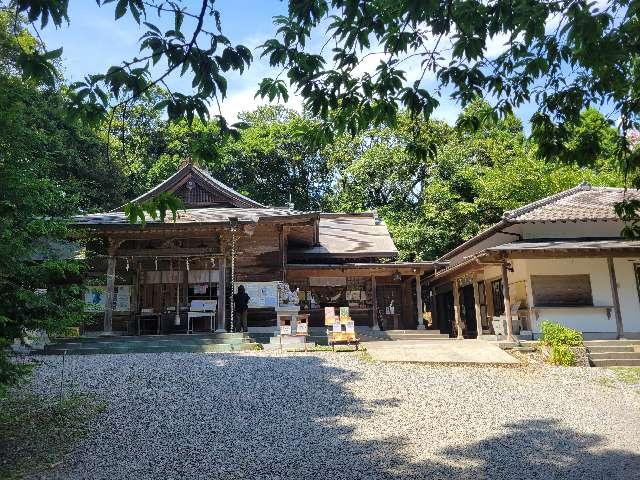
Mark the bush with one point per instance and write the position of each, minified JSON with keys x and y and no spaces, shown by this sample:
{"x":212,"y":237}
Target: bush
{"x":554,"y":334}
{"x":562,"y":355}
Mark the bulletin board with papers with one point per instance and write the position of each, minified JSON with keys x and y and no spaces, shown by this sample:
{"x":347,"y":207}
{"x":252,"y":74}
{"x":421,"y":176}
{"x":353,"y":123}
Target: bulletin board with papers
{"x":261,"y":294}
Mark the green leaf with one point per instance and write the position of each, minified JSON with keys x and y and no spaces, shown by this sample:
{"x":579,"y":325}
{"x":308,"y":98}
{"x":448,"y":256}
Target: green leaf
{"x":121,"y":8}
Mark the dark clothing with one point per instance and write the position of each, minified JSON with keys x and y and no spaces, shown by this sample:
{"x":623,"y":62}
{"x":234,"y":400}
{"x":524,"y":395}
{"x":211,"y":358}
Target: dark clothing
{"x":240,"y":306}
{"x":241,"y":321}
{"x":241,"y":302}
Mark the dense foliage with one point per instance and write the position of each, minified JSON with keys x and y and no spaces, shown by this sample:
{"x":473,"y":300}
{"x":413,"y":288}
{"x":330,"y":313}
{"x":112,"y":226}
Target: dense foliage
{"x":554,"y":334}
{"x":565,"y":55}
{"x":560,"y":339}
{"x":433,"y":204}
{"x":50,"y":166}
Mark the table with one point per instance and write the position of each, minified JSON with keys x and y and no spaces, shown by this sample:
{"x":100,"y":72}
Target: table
{"x":149,"y":316}
{"x":191,"y":315}
{"x":393,"y":318}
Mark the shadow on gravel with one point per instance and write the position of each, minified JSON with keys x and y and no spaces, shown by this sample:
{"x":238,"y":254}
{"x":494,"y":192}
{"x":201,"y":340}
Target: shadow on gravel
{"x":258,"y":417}
{"x":542,"y":449}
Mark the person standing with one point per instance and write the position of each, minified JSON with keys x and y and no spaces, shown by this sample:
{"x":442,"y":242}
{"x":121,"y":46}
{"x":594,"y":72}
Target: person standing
{"x":241,"y":307}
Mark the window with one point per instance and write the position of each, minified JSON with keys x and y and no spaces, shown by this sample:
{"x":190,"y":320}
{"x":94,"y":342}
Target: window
{"x":561,"y":290}
{"x":498,"y":297}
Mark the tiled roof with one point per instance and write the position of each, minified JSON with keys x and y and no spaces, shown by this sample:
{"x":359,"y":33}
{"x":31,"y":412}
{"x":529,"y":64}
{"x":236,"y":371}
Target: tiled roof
{"x":351,"y":235}
{"x":551,"y":245}
{"x":197,"y":215}
{"x":582,"y":203}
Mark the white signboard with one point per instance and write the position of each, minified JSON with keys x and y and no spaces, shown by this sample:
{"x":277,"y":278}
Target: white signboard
{"x":302,"y":328}
{"x":285,"y":329}
{"x":337,"y":326}
{"x":261,"y":294}
{"x":122,"y":298}
{"x":351,"y":326}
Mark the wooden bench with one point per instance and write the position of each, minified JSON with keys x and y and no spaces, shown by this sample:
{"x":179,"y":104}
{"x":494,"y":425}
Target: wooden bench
{"x":343,"y":338}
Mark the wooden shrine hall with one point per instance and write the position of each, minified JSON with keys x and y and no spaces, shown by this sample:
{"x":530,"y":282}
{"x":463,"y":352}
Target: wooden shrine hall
{"x":177,"y":277}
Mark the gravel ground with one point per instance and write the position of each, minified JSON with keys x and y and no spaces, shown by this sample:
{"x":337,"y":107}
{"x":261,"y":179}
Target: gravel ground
{"x":324,"y":415}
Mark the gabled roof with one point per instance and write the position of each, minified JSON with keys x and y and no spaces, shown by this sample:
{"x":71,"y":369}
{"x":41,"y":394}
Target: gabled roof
{"x":350,"y":235}
{"x":202,"y":180}
{"x":582,"y":203}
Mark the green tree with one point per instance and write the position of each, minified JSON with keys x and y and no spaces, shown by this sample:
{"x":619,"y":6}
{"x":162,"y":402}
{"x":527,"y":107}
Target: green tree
{"x":50,"y":167}
{"x":433,"y":204}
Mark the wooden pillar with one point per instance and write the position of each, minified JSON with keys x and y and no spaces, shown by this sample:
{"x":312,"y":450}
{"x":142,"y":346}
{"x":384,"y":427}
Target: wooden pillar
{"x":419,"y":302}
{"x":616,"y":298}
{"x":374,"y":303}
{"x":456,"y":309}
{"x":507,"y":300}
{"x":488,"y":297}
{"x":283,"y":251}
{"x":435,"y":313}
{"x":222,"y":293}
{"x":108,"y":304}
{"x":476,"y":302}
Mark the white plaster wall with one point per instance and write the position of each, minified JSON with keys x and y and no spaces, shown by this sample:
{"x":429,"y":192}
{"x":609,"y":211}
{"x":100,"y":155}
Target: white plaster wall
{"x":492,"y":241}
{"x":628,"y":293}
{"x":580,"y":318}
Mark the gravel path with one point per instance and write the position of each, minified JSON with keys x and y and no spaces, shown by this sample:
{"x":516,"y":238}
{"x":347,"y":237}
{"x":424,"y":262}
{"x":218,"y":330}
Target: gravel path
{"x":324,"y":415}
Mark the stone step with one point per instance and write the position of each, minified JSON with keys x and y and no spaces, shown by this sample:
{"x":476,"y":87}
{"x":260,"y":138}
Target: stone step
{"x":159,"y":341}
{"x":614,"y":355}
{"x":405,"y":336}
{"x":95,"y":349}
{"x":124,"y":338}
{"x":610,"y":343}
{"x":426,"y":340}
{"x":616,"y":362}
{"x":615,"y":348}
{"x":265,"y":338}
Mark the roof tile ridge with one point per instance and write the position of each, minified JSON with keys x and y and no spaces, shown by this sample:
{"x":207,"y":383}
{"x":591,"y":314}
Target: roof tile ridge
{"x":513,"y":214}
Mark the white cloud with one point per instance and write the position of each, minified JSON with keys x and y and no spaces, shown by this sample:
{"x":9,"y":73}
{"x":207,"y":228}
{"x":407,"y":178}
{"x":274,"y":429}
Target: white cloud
{"x":243,"y":100}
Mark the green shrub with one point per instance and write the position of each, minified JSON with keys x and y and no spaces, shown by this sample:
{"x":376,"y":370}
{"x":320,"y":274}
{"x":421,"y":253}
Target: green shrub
{"x":562,"y":355}
{"x":554,"y":334}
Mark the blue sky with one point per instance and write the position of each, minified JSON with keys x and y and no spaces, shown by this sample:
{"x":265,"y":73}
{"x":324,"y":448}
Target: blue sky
{"x":93,"y":41}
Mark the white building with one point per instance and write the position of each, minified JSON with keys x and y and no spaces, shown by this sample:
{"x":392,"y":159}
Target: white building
{"x":563,"y":259}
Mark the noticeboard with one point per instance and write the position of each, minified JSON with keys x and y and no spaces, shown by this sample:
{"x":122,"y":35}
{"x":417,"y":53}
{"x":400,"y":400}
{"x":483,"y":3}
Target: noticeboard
{"x":261,"y":294}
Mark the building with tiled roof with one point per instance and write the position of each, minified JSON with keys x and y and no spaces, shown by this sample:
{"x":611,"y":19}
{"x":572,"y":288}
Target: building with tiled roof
{"x":156,"y":271}
{"x":561,"y":258}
